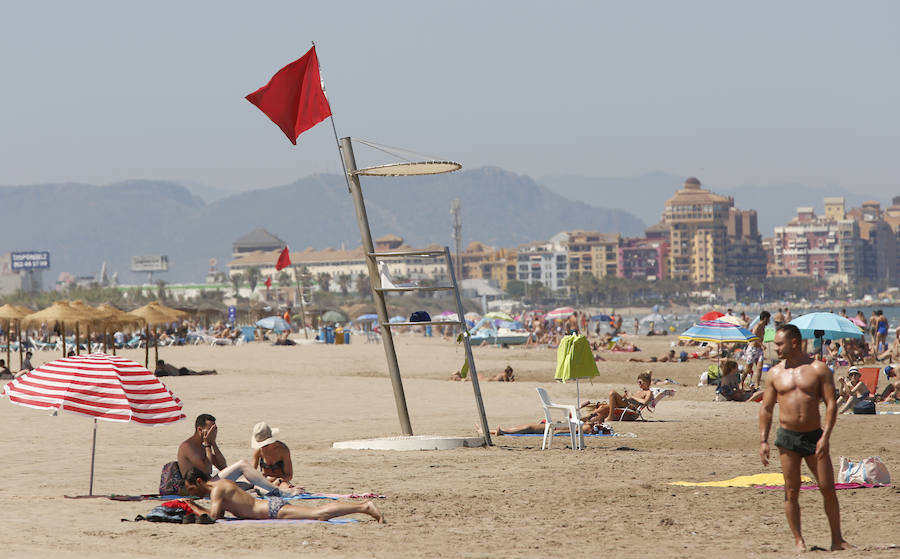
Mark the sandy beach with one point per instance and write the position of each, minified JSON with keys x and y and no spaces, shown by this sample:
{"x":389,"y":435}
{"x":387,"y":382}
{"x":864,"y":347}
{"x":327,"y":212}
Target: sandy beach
{"x":509,"y":500}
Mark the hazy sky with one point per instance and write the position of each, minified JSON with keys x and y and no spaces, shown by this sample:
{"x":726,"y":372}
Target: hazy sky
{"x":735,"y":93}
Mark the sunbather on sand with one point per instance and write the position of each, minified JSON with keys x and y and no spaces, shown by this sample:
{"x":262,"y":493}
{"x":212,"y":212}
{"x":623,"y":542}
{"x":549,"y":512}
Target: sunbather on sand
{"x":851,"y":390}
{"x":226,"y":496}
{"x":506,"y":376}
{"x":668,"y":357}
{"x":730,"y":385}
{"x":606,"y":412}
{"x":201,"y":451}
{"x":892,"y":390}
{"x":272,"y":457}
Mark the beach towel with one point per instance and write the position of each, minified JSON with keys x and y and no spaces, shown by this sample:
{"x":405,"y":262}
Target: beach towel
{"x":813,"y":486}
{"x":742,"y":481}
{"x":284,"y":521}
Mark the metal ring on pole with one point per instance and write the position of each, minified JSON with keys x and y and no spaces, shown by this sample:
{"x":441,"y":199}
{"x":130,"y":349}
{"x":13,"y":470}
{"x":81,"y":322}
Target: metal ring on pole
{"x":410,"y":169}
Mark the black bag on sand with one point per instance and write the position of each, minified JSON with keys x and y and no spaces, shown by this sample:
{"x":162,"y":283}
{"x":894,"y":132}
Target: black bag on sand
{"x":864,"y":407}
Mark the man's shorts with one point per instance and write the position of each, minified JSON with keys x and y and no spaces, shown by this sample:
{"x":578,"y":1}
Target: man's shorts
{"x":803,"y":444}
{"x":753,"y":354}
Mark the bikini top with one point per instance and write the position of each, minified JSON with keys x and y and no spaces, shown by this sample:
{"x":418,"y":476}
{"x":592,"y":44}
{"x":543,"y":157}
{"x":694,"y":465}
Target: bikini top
{"x":279,"y":466}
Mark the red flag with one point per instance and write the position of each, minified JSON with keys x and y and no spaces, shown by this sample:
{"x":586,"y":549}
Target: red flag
{"x":293,"y":98}
{"x":284,"y":260}
{"x":268,"y":282}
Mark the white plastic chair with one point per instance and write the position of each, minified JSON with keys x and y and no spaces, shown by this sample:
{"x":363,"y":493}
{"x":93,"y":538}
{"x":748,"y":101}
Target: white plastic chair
{"x":571,"y":422}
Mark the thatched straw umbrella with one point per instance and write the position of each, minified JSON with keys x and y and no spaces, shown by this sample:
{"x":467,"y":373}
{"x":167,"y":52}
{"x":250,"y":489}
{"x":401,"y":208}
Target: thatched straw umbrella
{"x":12,"y":314}
{"x":154,"y":314}
{"x":59,"y":313}
{"x":116,"y":318}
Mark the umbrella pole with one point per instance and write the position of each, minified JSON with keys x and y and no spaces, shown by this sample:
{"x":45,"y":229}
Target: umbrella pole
{"x":19,"y":337}
{"x":155,"y":347}
{"x":9,"y":342}
{"x":77,"y":341}
{"x":105,"y":338}
{"x":62,"y":330}
{"x":93,"y":452}
{"x":147,"y":348}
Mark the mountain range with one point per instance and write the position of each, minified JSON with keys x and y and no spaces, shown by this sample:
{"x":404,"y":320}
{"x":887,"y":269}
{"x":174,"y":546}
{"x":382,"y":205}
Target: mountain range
{"x":84,"y":225}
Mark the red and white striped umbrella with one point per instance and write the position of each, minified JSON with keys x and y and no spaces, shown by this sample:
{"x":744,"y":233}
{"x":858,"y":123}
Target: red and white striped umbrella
{"x":560,"y":313}
{"x":99,"y":386}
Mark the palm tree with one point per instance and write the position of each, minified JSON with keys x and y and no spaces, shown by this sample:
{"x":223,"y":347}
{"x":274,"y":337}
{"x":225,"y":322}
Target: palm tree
{"x":343,"y":281}
{"x":253,"y":274}
{"x":236,"y":280}
{"x":324,"y":280}
{"x":284,"y":279}
{"x":363,"y":287}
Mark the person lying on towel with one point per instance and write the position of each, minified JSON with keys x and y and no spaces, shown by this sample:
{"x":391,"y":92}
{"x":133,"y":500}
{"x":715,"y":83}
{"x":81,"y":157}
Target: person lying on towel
{"x":226,"y":496}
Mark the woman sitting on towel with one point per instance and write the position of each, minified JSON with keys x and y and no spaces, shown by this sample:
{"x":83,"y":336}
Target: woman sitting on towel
{"x":730,"y":385}
{"x":272,"y":457}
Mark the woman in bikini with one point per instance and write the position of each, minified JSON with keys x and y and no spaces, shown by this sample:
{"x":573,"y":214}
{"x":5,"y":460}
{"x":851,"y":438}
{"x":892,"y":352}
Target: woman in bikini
{"x":272,"y":457}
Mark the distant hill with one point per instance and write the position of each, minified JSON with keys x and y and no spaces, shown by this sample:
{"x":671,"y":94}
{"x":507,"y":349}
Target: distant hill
{"x":83,"y":225}
{"x":645,"y":195}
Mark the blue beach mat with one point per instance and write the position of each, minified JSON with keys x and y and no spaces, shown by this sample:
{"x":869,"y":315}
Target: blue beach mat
{"x":285,"y":521}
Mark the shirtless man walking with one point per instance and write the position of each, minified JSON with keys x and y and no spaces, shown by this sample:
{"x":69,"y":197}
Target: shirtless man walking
{"x":798,"y":383}
{"x":226,"y":496}
{"x":754,"y":354}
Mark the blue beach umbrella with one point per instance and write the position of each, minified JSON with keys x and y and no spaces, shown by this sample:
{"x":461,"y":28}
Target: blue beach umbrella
{"x":273,"y":323}
{"x":398,"y":318}
{"x":834,"y":326}
{"x":366,"y":317}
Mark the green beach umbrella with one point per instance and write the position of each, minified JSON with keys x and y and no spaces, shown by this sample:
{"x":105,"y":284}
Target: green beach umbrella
{"x":575,"y":360}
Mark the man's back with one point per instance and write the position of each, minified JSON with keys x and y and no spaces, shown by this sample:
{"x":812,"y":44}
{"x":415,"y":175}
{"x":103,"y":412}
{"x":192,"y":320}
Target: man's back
{"x":799,"y":391}
{"x":226,"y":496}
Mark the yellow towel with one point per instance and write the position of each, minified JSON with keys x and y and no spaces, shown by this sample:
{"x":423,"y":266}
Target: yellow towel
{"x":742,"y":481}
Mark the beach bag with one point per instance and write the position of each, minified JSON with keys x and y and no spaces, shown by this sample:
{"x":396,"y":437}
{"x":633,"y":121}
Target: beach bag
{"x":162,"y":513}
{"x":869,"y":470}
{"x":420,"y":316}
{"x":864,"y":407}
{"x":170,"y":480}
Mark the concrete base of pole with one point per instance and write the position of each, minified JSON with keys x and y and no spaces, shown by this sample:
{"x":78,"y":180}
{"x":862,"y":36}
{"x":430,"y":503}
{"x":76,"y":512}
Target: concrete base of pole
{"x":416,"y":442}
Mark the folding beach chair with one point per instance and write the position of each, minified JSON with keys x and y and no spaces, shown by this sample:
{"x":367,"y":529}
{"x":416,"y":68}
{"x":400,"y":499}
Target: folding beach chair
{"x":636,"y":413}
{"x":869,"y":376}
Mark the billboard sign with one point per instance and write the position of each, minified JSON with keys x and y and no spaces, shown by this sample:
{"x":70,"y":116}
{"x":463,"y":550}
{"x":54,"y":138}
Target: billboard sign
{"x":152,"y":263}
{"x":32,"y":260}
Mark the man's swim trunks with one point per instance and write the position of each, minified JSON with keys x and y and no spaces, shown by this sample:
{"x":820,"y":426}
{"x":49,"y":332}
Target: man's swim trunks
{"x":275,"y":504}
{"x":753,"y":354}
{"x":803,"y":444}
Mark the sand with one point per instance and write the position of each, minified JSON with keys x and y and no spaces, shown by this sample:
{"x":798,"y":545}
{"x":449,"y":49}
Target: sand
{"x":509,"y":500}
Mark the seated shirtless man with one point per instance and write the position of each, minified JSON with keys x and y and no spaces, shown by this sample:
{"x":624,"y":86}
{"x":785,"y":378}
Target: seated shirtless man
{"x":226,"y":496}
{"x":201,"y":452}
{"x":892,"y":390}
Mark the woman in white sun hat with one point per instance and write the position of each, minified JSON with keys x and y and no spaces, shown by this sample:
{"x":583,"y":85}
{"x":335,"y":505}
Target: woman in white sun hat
{"x":272,"y":457}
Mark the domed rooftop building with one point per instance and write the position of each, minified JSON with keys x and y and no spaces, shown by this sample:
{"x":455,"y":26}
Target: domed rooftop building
{"x":698,"y":223}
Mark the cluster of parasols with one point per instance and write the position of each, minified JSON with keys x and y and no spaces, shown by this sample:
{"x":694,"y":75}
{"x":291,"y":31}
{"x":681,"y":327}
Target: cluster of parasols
{"x":75,"y":316}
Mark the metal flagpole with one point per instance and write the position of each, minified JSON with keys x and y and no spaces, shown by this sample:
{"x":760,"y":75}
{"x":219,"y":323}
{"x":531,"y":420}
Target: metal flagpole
{"x":348,"y":162}
{"x":375,"y":280}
